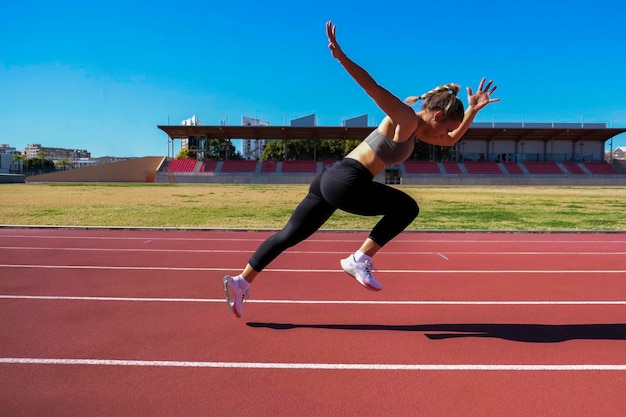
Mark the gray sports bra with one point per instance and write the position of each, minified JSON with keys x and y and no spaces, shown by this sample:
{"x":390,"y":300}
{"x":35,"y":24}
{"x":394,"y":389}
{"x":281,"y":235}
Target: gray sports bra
{"x":389,"y":151}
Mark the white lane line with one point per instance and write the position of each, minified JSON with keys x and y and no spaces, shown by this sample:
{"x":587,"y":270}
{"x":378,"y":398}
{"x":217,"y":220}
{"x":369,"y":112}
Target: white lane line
{"x":315,"y":366}
{"x":354,"y":302}
{"x":324,"y":271}
{"x":423,"y":238}
{"x":473,"y":253}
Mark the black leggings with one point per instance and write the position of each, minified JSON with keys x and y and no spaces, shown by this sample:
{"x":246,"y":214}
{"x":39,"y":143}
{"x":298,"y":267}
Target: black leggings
{"x":347,"y":186}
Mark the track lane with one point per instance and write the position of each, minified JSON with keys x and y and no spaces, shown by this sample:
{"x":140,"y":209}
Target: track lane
{"x":271,"y":332}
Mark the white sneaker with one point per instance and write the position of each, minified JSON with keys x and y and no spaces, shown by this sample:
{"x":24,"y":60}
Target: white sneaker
{"x":235,"y":296}
{"x":362,"y":272}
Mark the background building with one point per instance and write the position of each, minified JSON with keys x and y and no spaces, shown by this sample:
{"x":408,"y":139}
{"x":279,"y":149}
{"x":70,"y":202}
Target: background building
{"x":253,"y":148}
{"x":8,"y":150}
{"x":359,"y":121}
{"x":620,"y":153}
{"x":78,"y":158}
{"x":6,"y":158}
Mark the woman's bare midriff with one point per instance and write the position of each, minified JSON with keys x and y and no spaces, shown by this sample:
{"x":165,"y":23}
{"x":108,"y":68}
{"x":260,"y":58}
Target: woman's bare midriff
{"x":366,"y":156}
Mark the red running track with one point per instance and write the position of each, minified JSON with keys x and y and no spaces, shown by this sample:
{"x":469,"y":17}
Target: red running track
{"x":133,"y":323}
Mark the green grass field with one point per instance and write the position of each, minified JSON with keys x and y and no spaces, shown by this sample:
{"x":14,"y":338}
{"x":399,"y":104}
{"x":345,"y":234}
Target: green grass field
{"x":511,"y":208}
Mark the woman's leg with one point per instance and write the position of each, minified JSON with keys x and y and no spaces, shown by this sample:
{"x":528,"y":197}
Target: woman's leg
{"x":350,"y":187}
{"x":369,"y":247}
{"x":398,"y":210}
{"x":307,"y":218}
{"x":359,"y":194}
{"x":312,"y":212}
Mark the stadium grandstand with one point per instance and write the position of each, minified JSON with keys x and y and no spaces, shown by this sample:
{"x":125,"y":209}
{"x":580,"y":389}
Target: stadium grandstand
{"x":489,"y":153}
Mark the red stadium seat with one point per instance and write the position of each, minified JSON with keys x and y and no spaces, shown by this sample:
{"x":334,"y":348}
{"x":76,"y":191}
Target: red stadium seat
{"x":233,"y":165}
{"x":600,"y":168}
{"x":269,"y":166}
{"x":482,"y":167}
{"x":182,"y":165}
{"x":300,"y":166}
{"x":543,"y":168}
{"x":512,"y":168}
{"x":421,"y":167}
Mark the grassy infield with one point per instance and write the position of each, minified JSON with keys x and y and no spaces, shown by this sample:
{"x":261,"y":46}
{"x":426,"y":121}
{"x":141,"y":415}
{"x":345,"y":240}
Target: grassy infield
{"x":510,"y":208}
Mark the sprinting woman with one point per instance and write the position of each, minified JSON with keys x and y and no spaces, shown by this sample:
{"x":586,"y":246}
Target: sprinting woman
{"x":349,"y":185}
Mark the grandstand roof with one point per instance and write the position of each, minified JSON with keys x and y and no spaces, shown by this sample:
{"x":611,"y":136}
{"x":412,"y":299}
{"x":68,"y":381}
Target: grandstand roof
{"x":478,"y":131}
{"x":267,"y":132}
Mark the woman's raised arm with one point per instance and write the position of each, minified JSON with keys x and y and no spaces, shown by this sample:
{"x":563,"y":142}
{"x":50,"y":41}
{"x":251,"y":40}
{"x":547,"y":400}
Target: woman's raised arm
{"x":400,"y":113}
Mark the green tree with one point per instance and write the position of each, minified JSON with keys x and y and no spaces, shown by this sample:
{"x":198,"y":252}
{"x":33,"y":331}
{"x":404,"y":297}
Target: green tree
{"x":185,"y":153}
{"x":300,"y":149}
{"x":18,"y":163}
{"x":274,"y":151}
{"x":63,"y":164}
{"x":38,"y":165}
{"x":296,"y":150}
{"x":221,"y":149}
{"x":308,"y":149}
{"x":426,"y":152}
{"x":335,"y":149}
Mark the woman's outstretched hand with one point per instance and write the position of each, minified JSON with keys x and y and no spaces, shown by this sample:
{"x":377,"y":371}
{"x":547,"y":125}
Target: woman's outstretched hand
{"x":482,"y":96}
{"x":335,"y":50}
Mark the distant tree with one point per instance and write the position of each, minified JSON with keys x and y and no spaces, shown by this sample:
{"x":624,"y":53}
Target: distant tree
{"x":335,"y":149}
{"x":221,"y":149}
{"x":18,"y":163}
{"x":443,"y":153}
{"x":274,"y":151}
{"x":63,"y":163}
{"x":185,"y":153}
{"x":422,"y":152}
{"x":296,"y":150}
{"x":308,"y":149}
{"x":38,"y":165}
{"x":425,"y":152}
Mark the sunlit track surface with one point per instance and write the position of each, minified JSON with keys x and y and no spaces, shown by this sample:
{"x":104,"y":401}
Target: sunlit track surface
{"x":133,"y":322}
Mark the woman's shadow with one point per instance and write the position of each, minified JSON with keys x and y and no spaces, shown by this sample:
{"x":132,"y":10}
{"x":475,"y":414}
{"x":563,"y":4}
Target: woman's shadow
{"x":533,"y":333}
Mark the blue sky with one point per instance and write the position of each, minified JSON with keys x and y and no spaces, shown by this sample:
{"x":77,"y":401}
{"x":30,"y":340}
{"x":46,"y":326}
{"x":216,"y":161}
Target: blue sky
{"x":102,"y":75}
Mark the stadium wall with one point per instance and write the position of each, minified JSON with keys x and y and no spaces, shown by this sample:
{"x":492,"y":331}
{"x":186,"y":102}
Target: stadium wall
{"x":542,"y":180}
{"x":620,"y":165}
{"x":422,"y":179}
{"x":12,"y":179}
{"x":150,"y":169}
{"x":131,"y":170}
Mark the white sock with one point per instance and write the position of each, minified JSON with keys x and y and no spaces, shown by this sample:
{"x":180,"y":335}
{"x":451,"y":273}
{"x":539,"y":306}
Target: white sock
{"x":360,"y":256}
{"x":241,"y":281}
